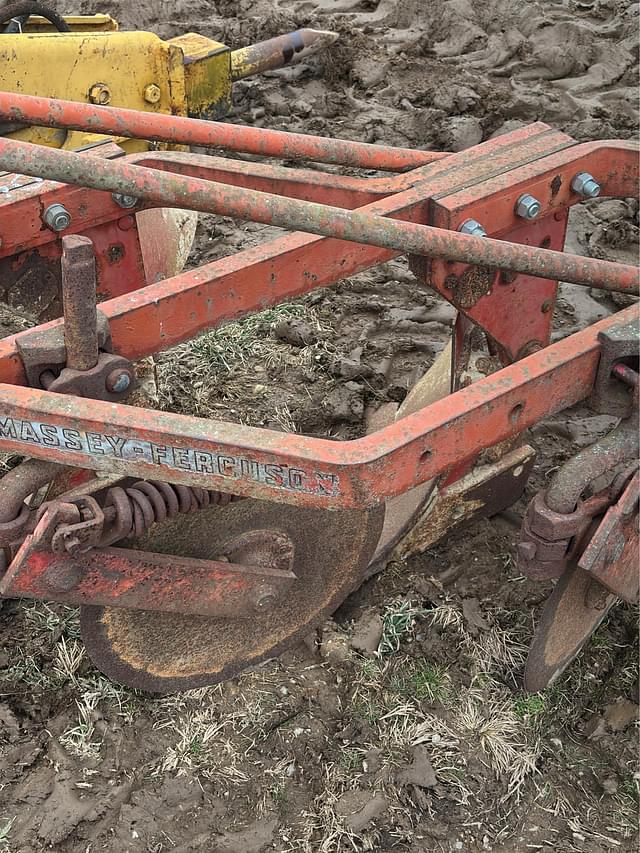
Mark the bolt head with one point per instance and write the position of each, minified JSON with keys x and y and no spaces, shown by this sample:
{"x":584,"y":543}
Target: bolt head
{"x":100,"y":94}
{"x":125,"y":201}
{"x":118,"y":381}
{"x":473,"y":227}
{"x":265,"y":598}
{"x":126,"y":223}
{"x":56,"y":217}
{"x":585,"y":185}
{"x":152,"y":93}
{"x":528,"y":207}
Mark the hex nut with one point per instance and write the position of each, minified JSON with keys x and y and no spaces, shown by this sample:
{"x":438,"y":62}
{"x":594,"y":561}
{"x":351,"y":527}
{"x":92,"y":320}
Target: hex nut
{"x":124,"y":201}
{"x":100,"y":94}
{"x":528,"y":207}
{"x":152,"y":93}
{"x":473,"y":227}
{"x":56,"y":217}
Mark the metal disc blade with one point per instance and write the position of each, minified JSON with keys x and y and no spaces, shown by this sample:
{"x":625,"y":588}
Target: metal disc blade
{"x":404,"y":511}
{"x":163,"y":652}
{"x":571,"y":614}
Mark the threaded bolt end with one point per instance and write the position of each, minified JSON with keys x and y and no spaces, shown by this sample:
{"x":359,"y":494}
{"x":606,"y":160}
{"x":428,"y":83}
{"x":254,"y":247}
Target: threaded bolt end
{"x":586,"y":185}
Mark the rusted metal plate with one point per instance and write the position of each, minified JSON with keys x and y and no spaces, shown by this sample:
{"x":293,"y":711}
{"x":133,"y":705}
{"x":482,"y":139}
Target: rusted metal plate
{"x":485,"y":491}
{"x":167,"y":652}
{"x":573,"y":611}
{"x":491,"y":297}
{"x":165,"y":583}
{"x":612,"y":555}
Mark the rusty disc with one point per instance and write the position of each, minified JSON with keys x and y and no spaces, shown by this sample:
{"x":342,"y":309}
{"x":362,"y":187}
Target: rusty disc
{"x":571,"y":614}
{"x":163,"y":652}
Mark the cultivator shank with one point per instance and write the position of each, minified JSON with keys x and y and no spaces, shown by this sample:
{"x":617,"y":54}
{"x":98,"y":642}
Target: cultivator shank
{"x":180,"y":582}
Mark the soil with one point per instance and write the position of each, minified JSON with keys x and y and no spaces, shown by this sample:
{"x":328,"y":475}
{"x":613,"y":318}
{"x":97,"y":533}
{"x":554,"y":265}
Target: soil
{"x":402,"y":725}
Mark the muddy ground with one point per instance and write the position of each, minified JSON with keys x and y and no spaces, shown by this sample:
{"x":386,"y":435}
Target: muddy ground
{"x":402,"y":726}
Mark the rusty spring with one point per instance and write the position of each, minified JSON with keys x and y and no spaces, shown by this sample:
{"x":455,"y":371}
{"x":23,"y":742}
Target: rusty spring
{"x":132,"y":510}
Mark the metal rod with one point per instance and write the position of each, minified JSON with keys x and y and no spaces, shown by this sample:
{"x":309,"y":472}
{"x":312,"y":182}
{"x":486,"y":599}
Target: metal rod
{"x":626,"y":374}
{"x":276,"y":52}
{"x":620,"y":445}
{"x":79,"y":302}
{"x":45,"y":112}
{"x":23,"y":480}
{"x":171,"y":190}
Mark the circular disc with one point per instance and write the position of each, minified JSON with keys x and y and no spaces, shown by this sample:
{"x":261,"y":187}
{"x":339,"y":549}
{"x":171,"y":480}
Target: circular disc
{"x":165,"y":652}
{"x":571,"y":614}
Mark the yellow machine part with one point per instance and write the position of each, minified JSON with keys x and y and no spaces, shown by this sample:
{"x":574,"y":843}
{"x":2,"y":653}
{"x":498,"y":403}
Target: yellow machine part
{"x":84,"y":23}
{"x":96,"y":63}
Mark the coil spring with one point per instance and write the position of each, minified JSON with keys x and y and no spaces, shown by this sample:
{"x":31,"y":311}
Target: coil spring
{"x":134,"y":509}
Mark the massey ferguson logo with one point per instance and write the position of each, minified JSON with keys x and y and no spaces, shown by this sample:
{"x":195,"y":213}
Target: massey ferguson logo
{"x":97,"y":445}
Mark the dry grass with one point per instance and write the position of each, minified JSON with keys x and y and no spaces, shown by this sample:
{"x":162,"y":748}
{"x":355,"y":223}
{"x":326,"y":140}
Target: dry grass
{"x":213,"y":374}
{"x":213,"y":733}
{"x":68,"y":669}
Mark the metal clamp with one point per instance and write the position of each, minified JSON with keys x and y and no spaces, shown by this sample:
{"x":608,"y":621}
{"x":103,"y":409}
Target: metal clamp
{"x":610,"y":396}
{"x":78,"y":525}
{"x":549,"y":539}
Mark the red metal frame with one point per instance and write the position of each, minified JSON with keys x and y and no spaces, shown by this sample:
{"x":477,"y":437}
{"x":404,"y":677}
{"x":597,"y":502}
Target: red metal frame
{"x":513,"y":308}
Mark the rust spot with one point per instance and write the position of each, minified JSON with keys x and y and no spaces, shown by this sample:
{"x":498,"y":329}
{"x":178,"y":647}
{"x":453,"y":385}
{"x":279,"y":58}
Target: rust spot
{"x":508,"y":276}
{"x":555,"y":185}
{"x":546,"y":242}
{"x":471,"y":285}
{"x":115,"y":253}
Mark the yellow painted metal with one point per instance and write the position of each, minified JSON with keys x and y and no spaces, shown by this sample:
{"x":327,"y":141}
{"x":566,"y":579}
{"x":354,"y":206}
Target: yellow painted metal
{"x":207,"y":69}
{"x":78,"y":23}
{"x":106,"y":67}
{"x":187,"y":75}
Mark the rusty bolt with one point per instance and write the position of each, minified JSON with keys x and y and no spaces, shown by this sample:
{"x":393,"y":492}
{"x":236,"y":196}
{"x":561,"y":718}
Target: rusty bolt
{"x":265,"y":598}
{"x":528,"y":207}
{"x":100,"y":94}
{"x":126,"y":201}
{"x":473,"y":227}
{"x":118,"y":381}
{"x":585,"y":185}
{"x":56,"y":217}
{"x":152,"y":93}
